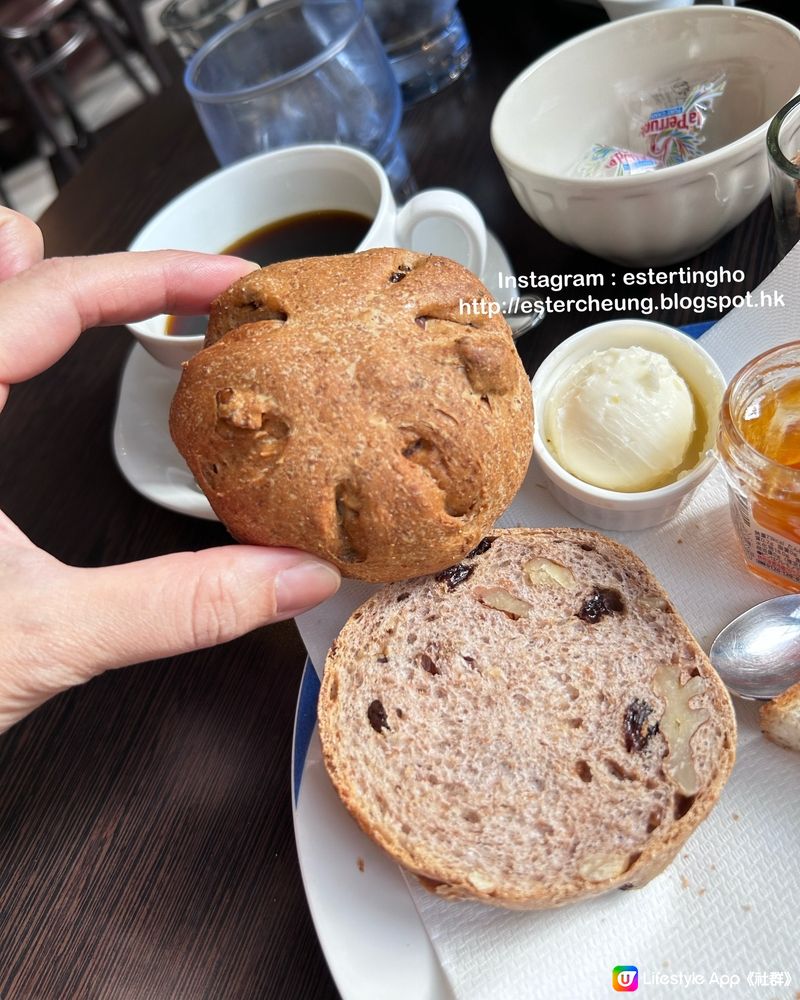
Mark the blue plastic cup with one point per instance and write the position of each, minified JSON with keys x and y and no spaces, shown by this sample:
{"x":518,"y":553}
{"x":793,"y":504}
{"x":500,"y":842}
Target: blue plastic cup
{"x":299,"y":71}
{"x":426,"y":40}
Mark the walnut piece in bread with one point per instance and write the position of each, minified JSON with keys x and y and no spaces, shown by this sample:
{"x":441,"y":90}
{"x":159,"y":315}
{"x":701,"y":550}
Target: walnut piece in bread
{"x":349,"y":407}
{"x":780,"y":719}
{"x":549,"y":744}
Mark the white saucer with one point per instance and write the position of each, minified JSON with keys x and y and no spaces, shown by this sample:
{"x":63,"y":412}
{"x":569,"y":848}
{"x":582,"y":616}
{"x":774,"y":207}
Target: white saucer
{"x":497,"y":264}
{"x":143,"y":448}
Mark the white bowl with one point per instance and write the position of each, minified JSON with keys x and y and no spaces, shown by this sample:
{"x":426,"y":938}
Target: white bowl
{"x":628,"y":8}
{"x":609,"y":509}
{"x":550,"y":116}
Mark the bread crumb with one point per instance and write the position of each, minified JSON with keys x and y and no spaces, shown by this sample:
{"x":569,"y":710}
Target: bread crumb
{"x":680,"y":541}
{"x":712,"y":868}
{"x":360,"y":863}
{"x":480,"y":881}
{"x":684,"y":882}
{"x":747,"y":908}
{"x":736,"y":816}
{"x":701,"y":891}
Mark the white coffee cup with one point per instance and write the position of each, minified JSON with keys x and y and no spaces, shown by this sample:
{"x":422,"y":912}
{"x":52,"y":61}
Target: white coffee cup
{"x":617,"y":9}
{"x":250,"y":194}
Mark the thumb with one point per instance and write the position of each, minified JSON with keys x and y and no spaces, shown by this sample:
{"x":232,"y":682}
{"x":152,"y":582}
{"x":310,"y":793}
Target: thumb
{"x":177,"y":603}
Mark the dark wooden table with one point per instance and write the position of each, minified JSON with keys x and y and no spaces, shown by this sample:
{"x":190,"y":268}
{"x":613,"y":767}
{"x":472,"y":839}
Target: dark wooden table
{"x":146,"y":837}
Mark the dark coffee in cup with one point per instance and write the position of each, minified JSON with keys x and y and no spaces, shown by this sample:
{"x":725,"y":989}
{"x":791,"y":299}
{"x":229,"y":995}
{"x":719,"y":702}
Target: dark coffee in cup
{"x":312,"y":234}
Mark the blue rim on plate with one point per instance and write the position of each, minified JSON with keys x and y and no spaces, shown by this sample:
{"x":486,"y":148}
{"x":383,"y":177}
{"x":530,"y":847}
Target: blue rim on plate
{"x":305,"y":721}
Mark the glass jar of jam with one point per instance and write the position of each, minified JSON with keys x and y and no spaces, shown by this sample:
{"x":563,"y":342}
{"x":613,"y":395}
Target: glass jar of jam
{"x":759,"y":444}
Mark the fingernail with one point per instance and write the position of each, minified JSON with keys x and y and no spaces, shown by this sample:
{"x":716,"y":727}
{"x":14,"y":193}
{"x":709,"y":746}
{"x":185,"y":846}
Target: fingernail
{"x":304,"y":585}
{"x":250,"y":264}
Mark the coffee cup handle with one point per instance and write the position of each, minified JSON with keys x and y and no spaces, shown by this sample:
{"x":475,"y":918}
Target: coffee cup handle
{"x":463,"y":237}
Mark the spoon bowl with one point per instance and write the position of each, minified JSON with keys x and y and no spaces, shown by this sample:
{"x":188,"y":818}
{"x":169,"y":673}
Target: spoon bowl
{"x":758,"y":654}
{"x":519,"y":318}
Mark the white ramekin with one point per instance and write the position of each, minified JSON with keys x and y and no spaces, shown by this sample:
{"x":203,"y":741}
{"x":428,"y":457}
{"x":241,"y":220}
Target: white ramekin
{"x":610,"y":509}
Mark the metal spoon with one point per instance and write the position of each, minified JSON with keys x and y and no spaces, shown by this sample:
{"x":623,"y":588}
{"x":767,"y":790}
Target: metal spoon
{"x":758,"y":654}
{"x":521,"y":321}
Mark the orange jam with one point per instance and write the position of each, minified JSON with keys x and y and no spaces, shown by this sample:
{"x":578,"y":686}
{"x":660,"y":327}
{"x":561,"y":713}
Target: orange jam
{"x":771,"y":424}
{"x":759,"y":443}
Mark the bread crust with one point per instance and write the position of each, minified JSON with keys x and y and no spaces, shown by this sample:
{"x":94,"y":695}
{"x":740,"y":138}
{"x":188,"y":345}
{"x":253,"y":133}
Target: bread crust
{"x":345,"y":406}
{"x":364,"y":761}
{"x":780,"y":719}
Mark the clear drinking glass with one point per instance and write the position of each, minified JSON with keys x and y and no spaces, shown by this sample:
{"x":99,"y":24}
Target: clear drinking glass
{"x":783,"y":146}
{"x":426,"y":41}
{"x":299,"y":71}
{"x":190,"y":23}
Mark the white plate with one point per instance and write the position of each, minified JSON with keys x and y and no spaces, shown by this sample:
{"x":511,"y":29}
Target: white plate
{"x":144,"y":450}
{"x":373,"y":939}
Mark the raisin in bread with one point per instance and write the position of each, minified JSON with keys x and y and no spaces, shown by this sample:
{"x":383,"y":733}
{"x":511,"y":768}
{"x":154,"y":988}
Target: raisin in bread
{"x":780,"y":719}
{"x":345,"y":406}
{"x":534,"y":725}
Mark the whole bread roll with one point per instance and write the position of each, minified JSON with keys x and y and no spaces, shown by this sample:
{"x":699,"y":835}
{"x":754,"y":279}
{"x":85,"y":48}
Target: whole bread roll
{"x":531,"y":726}
{"x":349,"y":407}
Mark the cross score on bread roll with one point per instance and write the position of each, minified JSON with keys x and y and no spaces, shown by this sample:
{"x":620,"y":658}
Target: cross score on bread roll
{"x":348,"y":406}
{"x":531,"y":726}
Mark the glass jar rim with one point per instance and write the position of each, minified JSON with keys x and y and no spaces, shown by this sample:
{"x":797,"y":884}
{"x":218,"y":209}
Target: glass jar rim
{"x":273,"y":8}
{"x":777,"y":155}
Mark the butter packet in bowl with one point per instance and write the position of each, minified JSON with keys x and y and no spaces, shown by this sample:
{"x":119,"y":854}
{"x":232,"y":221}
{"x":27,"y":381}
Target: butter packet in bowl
{"x":613,"y":161}
{"x":670,"y":123}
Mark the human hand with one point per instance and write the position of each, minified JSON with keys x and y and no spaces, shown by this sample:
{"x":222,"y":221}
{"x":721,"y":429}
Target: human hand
{"x":62,"y":625}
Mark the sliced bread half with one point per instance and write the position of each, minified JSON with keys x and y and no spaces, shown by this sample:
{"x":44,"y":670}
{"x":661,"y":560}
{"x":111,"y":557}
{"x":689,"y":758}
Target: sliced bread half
{"x":529,"y":727}
{"x":780,"y":719}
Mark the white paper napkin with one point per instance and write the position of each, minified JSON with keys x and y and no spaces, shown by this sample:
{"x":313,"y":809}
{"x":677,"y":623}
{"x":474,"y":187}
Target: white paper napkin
{"x":729,"y":906}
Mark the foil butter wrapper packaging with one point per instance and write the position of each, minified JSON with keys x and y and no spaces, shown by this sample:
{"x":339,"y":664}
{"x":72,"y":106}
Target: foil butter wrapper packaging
{"x":672,"y":120}
{"x":666,"y":126}
{"x":613,"y":161}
